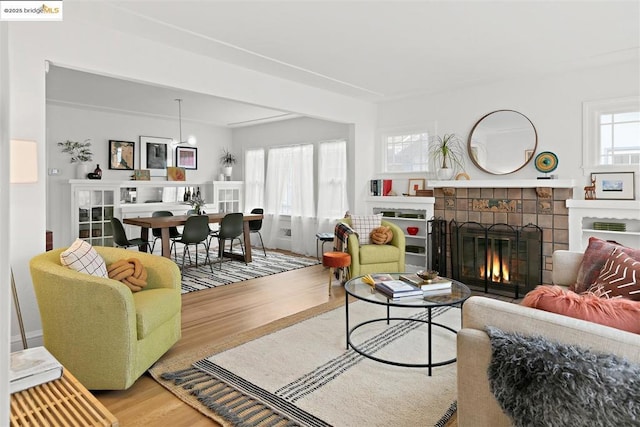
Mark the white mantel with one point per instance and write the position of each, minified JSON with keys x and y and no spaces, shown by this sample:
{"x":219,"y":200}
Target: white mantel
{"x":503,"y":183}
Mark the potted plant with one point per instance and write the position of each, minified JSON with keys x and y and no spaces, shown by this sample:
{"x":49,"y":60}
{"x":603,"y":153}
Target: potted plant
{"x":227,"y":160}
{"x":447,"y":153}
{"x":79,"y":152}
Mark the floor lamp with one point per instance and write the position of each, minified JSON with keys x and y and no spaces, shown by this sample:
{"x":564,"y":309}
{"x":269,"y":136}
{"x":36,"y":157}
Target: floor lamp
{"x":24,"y":170}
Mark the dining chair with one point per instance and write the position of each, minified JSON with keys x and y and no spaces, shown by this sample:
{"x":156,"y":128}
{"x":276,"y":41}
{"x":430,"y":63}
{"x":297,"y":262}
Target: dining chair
{"x":195,"y":232}
{"x":231,"y":228}
{"x":157,"y":232}
{"x":120,"y":238}
{"x":255,"y":225}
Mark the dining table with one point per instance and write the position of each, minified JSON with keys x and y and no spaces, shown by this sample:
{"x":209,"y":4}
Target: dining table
{"x":164,"y":223}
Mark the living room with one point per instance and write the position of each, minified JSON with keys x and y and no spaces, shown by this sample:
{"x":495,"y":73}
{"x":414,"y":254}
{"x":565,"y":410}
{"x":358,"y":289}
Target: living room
{"x":551,"y":94}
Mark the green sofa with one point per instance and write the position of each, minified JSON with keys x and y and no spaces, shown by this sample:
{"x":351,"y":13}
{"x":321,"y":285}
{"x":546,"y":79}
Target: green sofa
{"x":373,"y":258}
{"x":106,"y":335}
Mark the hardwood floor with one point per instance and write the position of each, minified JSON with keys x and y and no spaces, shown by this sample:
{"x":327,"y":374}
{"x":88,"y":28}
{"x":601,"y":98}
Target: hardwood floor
{"x":211,"y":316}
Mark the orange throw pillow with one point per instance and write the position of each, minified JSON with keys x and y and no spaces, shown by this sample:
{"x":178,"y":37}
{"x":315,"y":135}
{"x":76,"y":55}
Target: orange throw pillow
{"x":617,"y":313}
{"x":130,"y":271}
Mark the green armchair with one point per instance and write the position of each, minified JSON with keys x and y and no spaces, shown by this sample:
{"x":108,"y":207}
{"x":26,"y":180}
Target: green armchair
{"x":373,"y":258}
{"x":106,"y":335}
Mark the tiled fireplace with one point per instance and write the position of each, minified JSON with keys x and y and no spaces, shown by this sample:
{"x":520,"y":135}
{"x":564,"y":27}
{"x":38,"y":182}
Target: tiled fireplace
{"x":515,"y":204}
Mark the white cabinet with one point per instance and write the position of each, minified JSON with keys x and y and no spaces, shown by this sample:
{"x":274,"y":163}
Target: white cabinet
{"x":228,"y":196}
{"x":91,"y":213}
{"x":584,"y":216}
{"x":408,"y":212}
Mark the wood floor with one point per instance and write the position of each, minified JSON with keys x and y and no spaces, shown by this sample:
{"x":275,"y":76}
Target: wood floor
{"x":211,"y":316}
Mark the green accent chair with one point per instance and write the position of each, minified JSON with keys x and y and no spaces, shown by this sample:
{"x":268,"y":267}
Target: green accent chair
{"x":106,"y":335}
{"x":374,"y":258}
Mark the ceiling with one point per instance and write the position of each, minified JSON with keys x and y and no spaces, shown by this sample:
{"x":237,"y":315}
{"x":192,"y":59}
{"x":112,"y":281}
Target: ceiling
{"x":383,"y":50}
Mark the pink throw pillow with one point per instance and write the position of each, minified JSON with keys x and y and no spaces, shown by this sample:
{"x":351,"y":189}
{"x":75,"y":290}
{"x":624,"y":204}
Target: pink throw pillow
{"x":594,"y":258}
{"x":617,"y":313}
{"x":619,"y":277}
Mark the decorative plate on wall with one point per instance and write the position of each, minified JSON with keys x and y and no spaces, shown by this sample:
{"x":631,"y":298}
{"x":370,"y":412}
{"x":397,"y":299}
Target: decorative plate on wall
{"x":546,"y":162}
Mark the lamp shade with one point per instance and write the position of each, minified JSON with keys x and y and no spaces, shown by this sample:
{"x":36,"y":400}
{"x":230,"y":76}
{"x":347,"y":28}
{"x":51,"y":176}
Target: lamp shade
{"x":23,"y":161}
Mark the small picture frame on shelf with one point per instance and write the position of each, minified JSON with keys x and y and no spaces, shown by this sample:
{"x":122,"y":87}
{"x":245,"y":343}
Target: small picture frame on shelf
{"x":176,"y":174}
{"x":415,"y":184}
{"x":141,"y":175}
{"x":614,"y":185}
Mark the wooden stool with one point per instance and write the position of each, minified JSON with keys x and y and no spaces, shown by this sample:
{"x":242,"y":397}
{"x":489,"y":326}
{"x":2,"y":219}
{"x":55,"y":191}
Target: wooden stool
{"x":335,"y":260}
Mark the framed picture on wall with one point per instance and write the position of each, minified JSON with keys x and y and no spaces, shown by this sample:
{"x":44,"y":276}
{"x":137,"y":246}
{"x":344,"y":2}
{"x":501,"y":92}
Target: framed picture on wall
{"x":614,"y":185}
{"x":154,"y":154}
{"x":122,"y":155}
{"x":187,"y":157}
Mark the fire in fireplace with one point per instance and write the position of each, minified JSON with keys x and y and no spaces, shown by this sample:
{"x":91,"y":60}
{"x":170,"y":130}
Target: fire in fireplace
{"x":497,"y":258}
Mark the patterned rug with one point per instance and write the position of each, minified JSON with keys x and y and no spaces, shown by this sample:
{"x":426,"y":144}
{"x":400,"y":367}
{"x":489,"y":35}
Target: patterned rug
{"x":200,"y":278}
{"x":301,"y":374}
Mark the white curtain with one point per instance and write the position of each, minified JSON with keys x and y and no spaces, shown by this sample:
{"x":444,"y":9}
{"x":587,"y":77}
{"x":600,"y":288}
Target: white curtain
{"x":332,"y":184}
{"x":254,"y":179}
{"x":289,"y":192}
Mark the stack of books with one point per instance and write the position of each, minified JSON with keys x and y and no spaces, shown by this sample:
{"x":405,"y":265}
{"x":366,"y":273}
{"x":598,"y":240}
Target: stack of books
{"x":32,"y":367}
{"x":439,"y":285}
{"x":397,"y":289}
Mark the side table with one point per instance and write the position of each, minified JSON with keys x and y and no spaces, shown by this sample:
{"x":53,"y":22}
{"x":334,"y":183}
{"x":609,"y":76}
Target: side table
{"x":324,"y":238}
{"x":63,"y":402}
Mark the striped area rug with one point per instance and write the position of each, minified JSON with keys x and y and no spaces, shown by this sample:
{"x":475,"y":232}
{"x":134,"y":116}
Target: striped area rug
{"x":302,"y":375}
{"x":200,"y":278}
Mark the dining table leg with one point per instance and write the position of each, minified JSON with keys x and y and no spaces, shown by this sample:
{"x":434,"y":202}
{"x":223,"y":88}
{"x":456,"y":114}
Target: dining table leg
{"x":144,"y":235}
{"x":166,"y":242}
{"x":247,"y":241}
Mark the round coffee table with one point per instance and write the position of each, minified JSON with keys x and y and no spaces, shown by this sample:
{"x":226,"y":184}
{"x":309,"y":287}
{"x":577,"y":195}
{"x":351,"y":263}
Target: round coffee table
{"x":363,"y":292}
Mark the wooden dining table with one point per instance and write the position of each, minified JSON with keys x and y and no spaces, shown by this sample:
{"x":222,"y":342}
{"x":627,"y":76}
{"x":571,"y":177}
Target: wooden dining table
{"x":165,"y":222}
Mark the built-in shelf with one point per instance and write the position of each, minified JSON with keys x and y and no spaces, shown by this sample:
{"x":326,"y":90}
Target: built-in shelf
{"x":583,"y":213}
{"x":504,"y":183}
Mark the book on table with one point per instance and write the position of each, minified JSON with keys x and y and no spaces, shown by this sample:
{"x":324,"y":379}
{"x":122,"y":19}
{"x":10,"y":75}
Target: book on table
{"x":396,"y":289}
{"x":31,"y":367}
{"x":427,"y":285}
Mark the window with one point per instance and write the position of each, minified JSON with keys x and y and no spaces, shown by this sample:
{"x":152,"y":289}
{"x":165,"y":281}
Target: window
{"x":254,"y":179}
{"x":611,"y":133}
{"x":406,"y":151}
{"x":289,"y":181}
{"x":332,"y":180}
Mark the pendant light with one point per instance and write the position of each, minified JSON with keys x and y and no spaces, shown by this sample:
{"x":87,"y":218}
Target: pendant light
{"x":191,"y":140}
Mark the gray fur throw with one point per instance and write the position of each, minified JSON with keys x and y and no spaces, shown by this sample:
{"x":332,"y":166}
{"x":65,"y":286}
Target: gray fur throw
{"x":543,"y":383}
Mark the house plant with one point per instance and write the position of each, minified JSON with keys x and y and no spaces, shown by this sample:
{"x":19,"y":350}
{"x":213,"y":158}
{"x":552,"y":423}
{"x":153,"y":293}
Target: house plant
{"x":80,"y":153}
{"x":447,"y":153}
{"x":227,"y":160}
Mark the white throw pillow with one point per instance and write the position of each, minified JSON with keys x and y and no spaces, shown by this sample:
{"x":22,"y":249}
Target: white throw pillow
{"x":364,"y":224}
{"x":82,"y":257}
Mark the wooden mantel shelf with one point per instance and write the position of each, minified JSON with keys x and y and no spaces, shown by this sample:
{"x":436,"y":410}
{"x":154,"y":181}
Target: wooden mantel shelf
{"x":503,"y":183}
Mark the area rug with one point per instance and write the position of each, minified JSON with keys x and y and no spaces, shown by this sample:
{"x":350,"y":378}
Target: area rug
{"x":301,"y":374}
{"x":197,"y":279}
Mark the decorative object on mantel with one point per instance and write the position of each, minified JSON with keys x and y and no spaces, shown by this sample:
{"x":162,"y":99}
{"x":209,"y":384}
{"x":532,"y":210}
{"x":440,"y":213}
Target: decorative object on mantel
{"x":463,"y":175}
{"x":590,"y":190}
{"x":546,"y":162}
{"x":447,"y":153}
{"x":80,"y":153}
{"x":227,"y":160}
{"x":415,"y":184}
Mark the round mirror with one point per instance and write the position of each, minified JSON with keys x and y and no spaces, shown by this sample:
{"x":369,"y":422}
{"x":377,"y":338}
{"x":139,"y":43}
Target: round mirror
{"x":502,"y":142}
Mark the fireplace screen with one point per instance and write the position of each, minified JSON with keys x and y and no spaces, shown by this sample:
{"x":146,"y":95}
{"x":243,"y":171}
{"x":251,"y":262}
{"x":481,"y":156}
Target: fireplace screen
{"x":498,"y":258}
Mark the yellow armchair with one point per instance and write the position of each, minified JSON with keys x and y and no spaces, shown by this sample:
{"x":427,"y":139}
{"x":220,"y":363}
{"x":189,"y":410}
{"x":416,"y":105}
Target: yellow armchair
{"x":106,"y":335}
{"x":373,"y":258}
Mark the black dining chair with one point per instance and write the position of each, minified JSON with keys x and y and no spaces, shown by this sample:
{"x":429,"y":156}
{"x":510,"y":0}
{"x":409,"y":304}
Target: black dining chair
{"x":120,"y":238}
{"x":157,"y":233}
{"x":255,"y":225}
{"x":231,"y":228}
{"x":195,"y":232}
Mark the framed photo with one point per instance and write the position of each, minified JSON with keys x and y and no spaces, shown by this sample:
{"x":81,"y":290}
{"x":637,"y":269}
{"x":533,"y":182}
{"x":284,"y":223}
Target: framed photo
{"x":614,"y":185}
{"x":141,"y":175}
{"x":122,"y":155}
{"x":154,"y":154}
{"x":187,"y":157}
{"x":176,"y":174}
{"x":415,"y":184}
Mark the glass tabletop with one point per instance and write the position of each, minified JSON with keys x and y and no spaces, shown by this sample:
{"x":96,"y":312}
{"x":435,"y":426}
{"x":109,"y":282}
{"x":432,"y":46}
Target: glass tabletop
{"x":458,"y":293}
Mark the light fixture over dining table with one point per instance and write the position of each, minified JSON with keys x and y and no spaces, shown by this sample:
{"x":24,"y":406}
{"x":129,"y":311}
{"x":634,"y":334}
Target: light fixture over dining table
{"x":191,"y":140}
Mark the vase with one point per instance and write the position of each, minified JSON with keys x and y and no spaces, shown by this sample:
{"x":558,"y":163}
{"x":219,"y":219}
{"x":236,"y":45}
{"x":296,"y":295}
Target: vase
{"x":227,"y":170}
{"x":82,"y":170}
{"x":445,"y":174}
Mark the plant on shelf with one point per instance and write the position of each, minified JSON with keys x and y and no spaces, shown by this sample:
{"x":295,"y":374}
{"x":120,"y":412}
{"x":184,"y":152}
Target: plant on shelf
{"x":80,"y":152}
{"x":447,"y":152}
{"x":227,"y":160}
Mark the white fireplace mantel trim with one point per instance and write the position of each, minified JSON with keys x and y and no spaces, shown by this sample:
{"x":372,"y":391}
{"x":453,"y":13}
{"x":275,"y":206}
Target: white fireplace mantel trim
{"x":504,"y":183}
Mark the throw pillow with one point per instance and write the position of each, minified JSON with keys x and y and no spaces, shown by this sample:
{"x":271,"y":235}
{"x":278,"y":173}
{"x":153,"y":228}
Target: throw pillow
{"x":594,"y":258}
{"x":617,"y":313}
{"x":381,"y":235}
{"x":82,"y":257}
{"x":619,"y":277}
{"x":130,"y":271}
{"x":364,"y":224}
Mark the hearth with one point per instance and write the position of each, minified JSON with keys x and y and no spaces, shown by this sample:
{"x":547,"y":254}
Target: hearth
{"x":496,"y":258}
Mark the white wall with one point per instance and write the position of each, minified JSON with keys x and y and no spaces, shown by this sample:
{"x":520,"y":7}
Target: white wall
{"x":553,"y":104}
{"x":78,"y":124}
{"x":79,"y":43}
